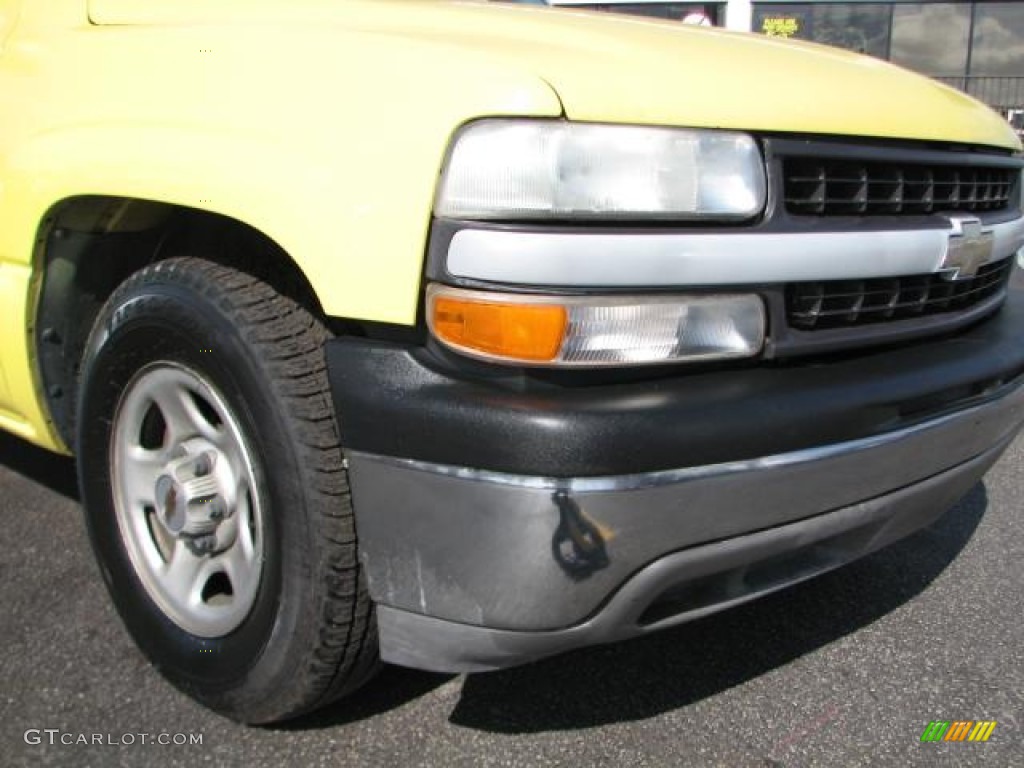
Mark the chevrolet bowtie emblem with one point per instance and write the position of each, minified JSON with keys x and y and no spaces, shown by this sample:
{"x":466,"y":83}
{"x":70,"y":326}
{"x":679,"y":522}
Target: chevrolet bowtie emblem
{"x":968,"y":248}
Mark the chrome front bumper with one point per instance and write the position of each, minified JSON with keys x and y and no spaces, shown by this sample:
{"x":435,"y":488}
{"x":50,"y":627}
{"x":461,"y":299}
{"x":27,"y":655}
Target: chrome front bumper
{"x":475,"y":570}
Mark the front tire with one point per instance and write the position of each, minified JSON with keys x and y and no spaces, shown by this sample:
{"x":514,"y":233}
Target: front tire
{"x":216,"y":495}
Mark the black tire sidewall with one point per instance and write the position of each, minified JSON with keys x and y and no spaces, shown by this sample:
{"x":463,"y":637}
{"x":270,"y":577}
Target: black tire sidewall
{"x":166,"y":322}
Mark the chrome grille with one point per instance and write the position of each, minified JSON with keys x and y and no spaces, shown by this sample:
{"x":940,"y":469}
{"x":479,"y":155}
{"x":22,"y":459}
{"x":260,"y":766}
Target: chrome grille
{"x":847,"y":303}
{"x":826,"y":187}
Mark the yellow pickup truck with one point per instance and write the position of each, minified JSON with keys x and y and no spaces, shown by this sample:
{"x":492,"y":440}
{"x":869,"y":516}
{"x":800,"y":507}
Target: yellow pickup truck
{"x":456,"y":335}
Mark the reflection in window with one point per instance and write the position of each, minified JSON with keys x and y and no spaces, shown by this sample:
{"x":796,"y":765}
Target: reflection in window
{"x":860,"y":27}
{"x":931,"y":38}
{"x":998,"y":39}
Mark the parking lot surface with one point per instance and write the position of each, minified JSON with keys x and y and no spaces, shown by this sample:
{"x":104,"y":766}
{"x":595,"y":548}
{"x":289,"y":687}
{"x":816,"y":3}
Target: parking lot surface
{"x":845,"y":670}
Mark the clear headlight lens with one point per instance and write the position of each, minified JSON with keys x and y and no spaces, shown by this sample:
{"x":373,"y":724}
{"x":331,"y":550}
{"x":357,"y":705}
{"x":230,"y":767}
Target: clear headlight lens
{"x":593,"y":331}
{"x":524,"y":169}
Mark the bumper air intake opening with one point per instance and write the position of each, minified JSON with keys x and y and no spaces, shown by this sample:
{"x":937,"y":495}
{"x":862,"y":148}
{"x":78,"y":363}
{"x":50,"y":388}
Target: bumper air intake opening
{"x":759,"y":577}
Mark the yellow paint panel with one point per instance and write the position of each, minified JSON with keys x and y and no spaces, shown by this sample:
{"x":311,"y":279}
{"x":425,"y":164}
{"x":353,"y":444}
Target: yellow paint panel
{"x":324,"y":123}
{"x":330,"y":143}
{"x":8,"y":17}
{"x":19,"y":412}
{"x":630,"y":69}
{"x":338,"y":167}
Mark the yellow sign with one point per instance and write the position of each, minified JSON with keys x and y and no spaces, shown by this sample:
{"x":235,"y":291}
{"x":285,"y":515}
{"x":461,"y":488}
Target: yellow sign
{"x":780,"y":26}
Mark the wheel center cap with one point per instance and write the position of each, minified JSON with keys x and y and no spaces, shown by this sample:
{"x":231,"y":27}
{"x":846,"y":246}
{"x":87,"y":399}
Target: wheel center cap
{"x":189,"y":494}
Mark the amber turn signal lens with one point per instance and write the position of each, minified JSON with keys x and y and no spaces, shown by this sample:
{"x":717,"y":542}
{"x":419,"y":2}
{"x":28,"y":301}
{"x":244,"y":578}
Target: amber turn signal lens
{"x":530,"y":332}
{"x":594,"y":331}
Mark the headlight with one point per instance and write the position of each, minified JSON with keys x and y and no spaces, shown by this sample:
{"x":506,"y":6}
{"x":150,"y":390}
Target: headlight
{"x":595,"y":331}
{"x":529,"y":169}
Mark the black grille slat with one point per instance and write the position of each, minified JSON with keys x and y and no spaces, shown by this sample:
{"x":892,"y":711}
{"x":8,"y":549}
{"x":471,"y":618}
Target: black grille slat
{"x":807,"y":187}
{"x":825,"y":187}
{"x":849,"y":303}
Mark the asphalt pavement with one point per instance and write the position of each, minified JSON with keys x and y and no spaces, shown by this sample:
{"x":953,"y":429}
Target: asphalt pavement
{"x":845,"y":670}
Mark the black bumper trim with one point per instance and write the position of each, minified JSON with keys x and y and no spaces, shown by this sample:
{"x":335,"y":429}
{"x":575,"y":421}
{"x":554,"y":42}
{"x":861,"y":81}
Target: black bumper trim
{"x":402,"y":402}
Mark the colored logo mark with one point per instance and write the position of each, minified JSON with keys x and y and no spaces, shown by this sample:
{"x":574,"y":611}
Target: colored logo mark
{"x":958,"y":730}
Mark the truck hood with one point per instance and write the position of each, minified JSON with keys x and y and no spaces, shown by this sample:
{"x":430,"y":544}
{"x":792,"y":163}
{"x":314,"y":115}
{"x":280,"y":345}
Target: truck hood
{"x":626,"y":69}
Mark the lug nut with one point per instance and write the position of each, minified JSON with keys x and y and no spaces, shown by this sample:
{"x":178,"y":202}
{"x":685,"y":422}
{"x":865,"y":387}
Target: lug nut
{"x":201,"y":545}
{"x":217,"y":511}
{"x":203,"y":466}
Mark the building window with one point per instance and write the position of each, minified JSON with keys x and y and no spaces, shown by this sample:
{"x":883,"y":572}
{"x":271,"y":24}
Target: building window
{"x":998,"y":47}
{"x":860,"y":27}
{"x":977,"y":47}
{"x":931,"y":38}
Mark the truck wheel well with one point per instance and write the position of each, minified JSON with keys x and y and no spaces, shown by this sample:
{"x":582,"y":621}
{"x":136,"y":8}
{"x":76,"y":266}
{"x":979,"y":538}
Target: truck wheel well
{"x":90,"y":245}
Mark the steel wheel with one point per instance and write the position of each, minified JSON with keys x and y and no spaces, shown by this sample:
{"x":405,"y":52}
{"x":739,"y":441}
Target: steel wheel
{"x":186,"y":499}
